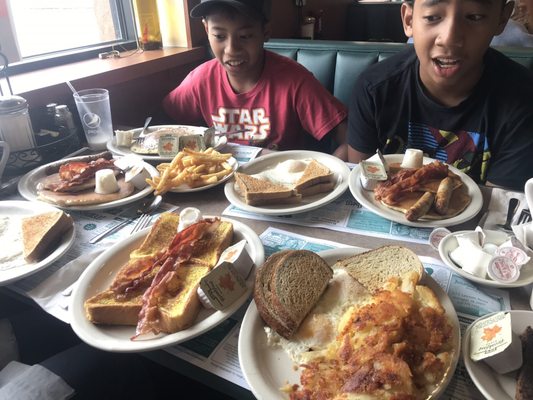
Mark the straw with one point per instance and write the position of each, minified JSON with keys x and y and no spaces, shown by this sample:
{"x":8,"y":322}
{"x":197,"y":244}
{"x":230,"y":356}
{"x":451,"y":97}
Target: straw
{"x":74,"y":91}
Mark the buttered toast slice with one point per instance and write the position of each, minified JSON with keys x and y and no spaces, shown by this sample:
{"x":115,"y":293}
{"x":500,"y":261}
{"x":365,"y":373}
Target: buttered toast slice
{"x":261,"y":191}
{"x":41,"y":232}
{"x":178,"y":306}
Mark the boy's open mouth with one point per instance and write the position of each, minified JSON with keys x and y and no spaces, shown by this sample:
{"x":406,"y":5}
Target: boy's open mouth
{"x":234,"y":63}
{"x":446,"y":67}
{"x":446,"y":62}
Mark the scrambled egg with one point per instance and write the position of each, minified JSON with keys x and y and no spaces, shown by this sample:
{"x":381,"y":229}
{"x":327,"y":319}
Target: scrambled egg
{"x":398,"y":345}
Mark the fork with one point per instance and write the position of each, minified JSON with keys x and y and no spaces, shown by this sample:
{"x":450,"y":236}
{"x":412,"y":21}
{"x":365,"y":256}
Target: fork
{"x":525,"y":216}
{"x":143,"y":221}
{"x":140,"y":139}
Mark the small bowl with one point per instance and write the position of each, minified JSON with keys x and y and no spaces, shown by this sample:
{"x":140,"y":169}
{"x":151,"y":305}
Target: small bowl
{"x":449,"y":243}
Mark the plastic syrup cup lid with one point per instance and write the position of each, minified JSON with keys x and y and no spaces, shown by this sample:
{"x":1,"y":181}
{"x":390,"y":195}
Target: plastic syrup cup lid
{"x":503,"y":269}
{"x":436,"y":236}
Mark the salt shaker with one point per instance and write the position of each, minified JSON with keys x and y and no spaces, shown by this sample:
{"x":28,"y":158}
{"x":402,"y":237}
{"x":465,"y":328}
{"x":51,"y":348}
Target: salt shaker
{"x":15,"y":123}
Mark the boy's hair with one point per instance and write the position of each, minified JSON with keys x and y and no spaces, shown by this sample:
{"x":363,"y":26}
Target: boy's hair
{"x":256,"y":9}
{"x":412,"y":2}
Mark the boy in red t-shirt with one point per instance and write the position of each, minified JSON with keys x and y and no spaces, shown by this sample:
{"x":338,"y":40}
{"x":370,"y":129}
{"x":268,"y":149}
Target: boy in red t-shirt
{"x":279,"y":102}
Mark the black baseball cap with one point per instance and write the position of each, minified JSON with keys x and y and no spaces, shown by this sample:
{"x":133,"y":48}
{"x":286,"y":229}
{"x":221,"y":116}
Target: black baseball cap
{"x":255,"y":8}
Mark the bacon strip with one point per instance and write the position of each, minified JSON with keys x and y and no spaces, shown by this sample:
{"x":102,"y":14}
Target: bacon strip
{"x":178,"y":253}
{"x":391,"y":193}
{"x":76,"y":173}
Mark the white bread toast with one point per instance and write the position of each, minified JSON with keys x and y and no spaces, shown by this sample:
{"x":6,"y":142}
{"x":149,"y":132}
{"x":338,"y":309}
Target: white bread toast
{"x":288,"y":286}
{"x":375,"y":267}
{"x":316,"y":178}
{"x":178,"y":306}
{"x":261,"y":191}
{"x":41,"y":232}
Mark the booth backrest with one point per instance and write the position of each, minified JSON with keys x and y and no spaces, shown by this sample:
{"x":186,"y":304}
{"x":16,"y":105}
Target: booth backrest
{"x":337,"y":64}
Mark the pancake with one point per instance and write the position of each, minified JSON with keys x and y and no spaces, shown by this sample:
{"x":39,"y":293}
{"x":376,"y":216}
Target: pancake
{"x":86,"y":197}
{"x":458,"y":202}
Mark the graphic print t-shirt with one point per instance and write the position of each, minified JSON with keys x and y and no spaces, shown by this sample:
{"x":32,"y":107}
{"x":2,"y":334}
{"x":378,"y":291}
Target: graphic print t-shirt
{"x":486,"y":135}
{"x":285,"y":105}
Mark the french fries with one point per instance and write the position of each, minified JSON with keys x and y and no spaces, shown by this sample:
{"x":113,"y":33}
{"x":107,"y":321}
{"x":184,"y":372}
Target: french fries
{"x":193,"y":168}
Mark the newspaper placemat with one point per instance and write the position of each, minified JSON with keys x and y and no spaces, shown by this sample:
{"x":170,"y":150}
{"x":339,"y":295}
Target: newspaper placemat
{"x":345,"y":215}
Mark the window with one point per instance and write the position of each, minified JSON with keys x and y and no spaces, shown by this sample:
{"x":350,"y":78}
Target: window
{"x":55,"y":29}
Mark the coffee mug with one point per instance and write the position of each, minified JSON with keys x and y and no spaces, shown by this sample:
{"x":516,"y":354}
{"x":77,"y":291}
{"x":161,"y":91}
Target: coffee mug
{"x":5,"y":156}
{"x":528,"y":190}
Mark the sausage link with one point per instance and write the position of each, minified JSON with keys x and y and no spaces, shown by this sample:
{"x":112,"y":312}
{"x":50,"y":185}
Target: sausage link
{"x":444,"y":194}
{"x":421,"y":207}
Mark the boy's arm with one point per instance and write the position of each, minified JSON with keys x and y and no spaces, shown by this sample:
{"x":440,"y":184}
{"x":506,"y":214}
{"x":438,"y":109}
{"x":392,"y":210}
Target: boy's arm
{"x":339,"y":136}
{"x":355,"y":156}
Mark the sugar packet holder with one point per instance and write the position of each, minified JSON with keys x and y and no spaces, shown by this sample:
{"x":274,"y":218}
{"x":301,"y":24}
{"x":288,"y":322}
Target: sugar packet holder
{"x":223,"y":285}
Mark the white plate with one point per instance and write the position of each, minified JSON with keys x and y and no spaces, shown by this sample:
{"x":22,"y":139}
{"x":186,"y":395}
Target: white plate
{"x":100,"y":273}
{"x":185,"y":189}
{"x":337,"y":166}
{"x":26,"y":209}
{"x":27,"y":187}
{"x":366,"y":198}
{"x":194,"y":130}
{"x":493,"y":385}
{"x":267,"y":369}
{"x":449,"y":243}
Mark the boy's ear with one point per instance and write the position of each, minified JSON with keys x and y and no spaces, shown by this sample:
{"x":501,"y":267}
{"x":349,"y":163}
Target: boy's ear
{"x":267,"y":31}
{"x":407,"y":18}
{"x":505,"y":15}
{"x":204,"y":21}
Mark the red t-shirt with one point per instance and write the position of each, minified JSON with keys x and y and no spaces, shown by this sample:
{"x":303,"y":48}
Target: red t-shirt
{"x":286,"y":102}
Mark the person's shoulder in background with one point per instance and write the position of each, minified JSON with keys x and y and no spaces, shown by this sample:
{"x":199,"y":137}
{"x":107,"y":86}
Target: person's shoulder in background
{"x":514,"y":34}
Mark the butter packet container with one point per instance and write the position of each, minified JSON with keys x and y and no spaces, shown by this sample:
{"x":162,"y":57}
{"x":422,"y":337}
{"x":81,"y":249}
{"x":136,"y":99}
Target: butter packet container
{"x":168,"y":146}
{"x":493,"y":341}
{"x":371,"y":173}
{"x":192,"y":142}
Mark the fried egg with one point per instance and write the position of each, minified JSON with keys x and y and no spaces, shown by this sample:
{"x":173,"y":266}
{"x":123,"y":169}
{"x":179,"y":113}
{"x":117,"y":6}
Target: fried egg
{"x":285,"y":173}
{"x":319,"y":328}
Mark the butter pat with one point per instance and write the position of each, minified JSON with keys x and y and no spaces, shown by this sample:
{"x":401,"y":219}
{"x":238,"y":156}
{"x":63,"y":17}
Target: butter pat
{"x":493,"y":341}
{"x":137,"y":175}
{"x":371,"y":174}
{"x":471,"y":258}
{"x":128,"y":162}
{"x":239,"y":257}
{"x":413,"y":158}
{"x":106,"y":182}
{"x":123,"y":138}
{"x":188,"y":216}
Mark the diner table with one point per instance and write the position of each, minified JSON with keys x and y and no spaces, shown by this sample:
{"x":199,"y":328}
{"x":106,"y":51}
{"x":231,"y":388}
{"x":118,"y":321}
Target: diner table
{"x":213,"y":202}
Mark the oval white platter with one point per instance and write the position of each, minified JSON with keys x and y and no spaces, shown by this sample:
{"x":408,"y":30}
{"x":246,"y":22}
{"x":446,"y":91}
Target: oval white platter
{"x":366,"y":198}
{"x":25,"y":209}
{"x":267,"y":368}
{"x":100,"y":273}
{"x":191,"y":130}
{"x":309,"y":203}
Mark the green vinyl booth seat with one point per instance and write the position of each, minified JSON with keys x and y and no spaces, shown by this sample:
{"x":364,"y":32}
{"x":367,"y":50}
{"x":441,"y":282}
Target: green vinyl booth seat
{"x":337,"y":64}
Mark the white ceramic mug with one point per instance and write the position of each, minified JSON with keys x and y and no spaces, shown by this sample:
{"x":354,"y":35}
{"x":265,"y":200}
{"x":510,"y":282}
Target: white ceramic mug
{"x":5,"y":156}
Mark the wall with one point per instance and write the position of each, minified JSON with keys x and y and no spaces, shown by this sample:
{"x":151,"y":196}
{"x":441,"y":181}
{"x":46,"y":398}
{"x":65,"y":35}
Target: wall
{"x":285,"y":15}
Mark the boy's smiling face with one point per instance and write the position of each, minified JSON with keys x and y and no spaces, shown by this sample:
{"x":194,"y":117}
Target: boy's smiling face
{"x":450,"y":39}
{"x":237,"y":43}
